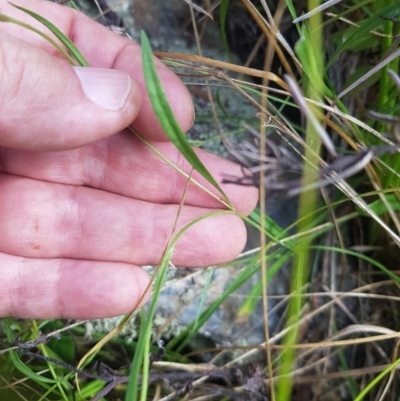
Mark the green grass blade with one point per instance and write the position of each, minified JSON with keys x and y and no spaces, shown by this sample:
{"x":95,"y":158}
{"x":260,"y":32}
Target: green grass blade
{"x":379,"y":208}
{"x":60,"y":35}
{"x":142,"y":350}
{"x":166,"y":117}
{"x":253,"y":267}
{"x":292,"y":10}
{"x":188,"y":333}
{"x":370,"y":24}
{"x":19,"y":364}
{"x":140,"y":359}
{"x":273,"y":231}
{"x":72,"y":4}
{"x":361,"y":256}
{"x":310,"y":61}
{"x":311,"y":49}
{"x":203,"y":297}
{"x":220,"y":105}
{"x":223,"y":9}
{"x":347,"y":11}
{"x":6,"y":18}
{"x":377,"y":379}
{"x":255,"y":294}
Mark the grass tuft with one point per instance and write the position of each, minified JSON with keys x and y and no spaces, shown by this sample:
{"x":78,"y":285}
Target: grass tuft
{"x":322,"y":134}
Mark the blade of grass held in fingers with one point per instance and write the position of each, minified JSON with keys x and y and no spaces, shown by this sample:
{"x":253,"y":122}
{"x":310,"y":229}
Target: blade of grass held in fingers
{"x":5,"y":18}
{"x":166,"y":117}
{"x":60,"y":35}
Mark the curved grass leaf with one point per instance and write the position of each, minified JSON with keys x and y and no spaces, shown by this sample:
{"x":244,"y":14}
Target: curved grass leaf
{"x":141,"y":360}
{"x":248,"y":306}
{"x":220,"y":105}
{"x":376,"y":380}
{"x":223,"y":9}
{"x":143,"y":347}
{"x":203,"y":296}
{"x":311,"y":64}
{"x":166,"y":117}
{"x":372,"y":261}
{"x":19,"y":364}
{"x":392,"y":10}
{"x":179,"y":341}
{"x":379,"y":207}
{"x":6,"y":18}
{"x":60,"y":35}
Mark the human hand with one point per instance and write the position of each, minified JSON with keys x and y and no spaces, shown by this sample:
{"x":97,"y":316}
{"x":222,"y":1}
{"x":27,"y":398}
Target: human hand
{"x":84,"y":203}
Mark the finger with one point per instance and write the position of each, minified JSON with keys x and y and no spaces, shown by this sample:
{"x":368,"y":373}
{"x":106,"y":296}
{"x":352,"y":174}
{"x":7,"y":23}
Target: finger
{"x":45,"y":220}
{"x":103,"y":48}
{"x":124,"y":165}
{"x":72,"y":289}
{"x":36,"y":114}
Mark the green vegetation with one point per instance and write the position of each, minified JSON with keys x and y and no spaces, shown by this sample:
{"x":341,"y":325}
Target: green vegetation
{"x":339,"y":333}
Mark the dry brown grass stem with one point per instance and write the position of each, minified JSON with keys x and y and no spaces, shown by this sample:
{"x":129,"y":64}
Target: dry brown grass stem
{"x":338,"y":375}
{"x":157,"y":392}
{"x":389,"y":334}
{"x":194,"y":6}
{"x":270,"y":35}
{"x":252,"y":72}
{"x":102,"y":13}
{"x":331,"y":294}
{"x":272,"y":47}
{"x":391,"y":376}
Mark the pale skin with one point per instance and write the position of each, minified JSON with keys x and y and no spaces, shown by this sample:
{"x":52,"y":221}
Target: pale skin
{"x":83,"y":203}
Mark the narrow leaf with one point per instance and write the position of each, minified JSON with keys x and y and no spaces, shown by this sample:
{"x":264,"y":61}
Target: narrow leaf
{"x":222,"y":23}
{"x":370,"y":24}
{"x":5,"y":18}
{"x":60,"y":35}
{"x":19,"y":364}
{"x":166,"y":117}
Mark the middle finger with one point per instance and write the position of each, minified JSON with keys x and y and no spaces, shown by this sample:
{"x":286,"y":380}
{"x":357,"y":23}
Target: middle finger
{"x":47,"y":220}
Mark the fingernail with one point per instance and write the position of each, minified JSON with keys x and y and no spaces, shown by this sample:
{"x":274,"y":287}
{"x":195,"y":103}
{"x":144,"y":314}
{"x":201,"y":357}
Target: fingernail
{"x":105,"y":87}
